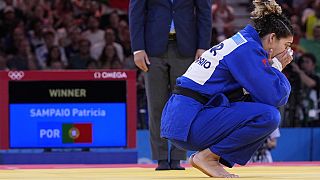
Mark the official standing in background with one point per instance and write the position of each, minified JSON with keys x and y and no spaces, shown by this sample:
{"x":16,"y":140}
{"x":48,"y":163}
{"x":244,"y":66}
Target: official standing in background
{"x":166,"y":37}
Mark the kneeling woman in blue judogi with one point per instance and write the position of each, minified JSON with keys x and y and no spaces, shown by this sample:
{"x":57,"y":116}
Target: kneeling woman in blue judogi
{"x":225,"y":105}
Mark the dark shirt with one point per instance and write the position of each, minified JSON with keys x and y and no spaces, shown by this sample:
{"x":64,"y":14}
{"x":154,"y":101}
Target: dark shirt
{"x":18,"y":62}
{"x":79,"y":62}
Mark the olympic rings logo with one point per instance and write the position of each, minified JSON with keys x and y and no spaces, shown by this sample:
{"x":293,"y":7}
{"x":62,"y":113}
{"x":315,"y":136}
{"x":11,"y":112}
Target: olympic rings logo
{"x":15,"y":75}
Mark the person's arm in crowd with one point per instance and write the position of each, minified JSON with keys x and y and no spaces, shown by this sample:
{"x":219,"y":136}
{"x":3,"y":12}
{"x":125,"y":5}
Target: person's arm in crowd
{"x":230,"y":12}
{"x":137,"y":20}
{"x":305,"y":79}
{"x":204,"y":25}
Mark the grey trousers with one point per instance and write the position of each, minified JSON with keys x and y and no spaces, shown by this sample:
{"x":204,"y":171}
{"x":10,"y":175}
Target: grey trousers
{"x":159,"y":81}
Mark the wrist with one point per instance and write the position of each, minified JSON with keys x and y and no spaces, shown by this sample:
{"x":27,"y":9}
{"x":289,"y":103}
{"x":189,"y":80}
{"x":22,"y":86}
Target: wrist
{"x":136,"y":52}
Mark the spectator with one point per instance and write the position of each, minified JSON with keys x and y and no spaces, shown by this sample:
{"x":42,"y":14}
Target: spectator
{"x":13,"y":40}
{"x":9,"y":21}
{"x":310,"y":89}
{"x":313,"y":45}
{"x":308,"y":10}
{"x":24,"y":59}
{"x":73,"y":48}
{"x":263,"y":154}
{"x":80,"y":60}
{"x":109,"y":40}
{"x":64,"y":28}
{"x":60,"y":8}
{"x":54,"y":59}
{"x":312,"y":20}
{"x":222,"y":16}
{"x":298,"y":34}
{"x":36,"y":34}
{"x":17,"y":11}
{"x":94,"y":34}
{"x":114,"y":21}
{"x":44,"y":15}
{"x":42,"y":51}
{"x":108,"y":57}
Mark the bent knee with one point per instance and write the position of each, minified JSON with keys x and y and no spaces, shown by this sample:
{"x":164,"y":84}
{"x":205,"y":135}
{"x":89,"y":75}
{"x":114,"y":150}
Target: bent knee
{"x":272,"y":117}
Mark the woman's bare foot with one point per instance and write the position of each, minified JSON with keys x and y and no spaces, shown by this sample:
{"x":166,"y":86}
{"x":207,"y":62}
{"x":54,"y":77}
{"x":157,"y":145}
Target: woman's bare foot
{"x":208,"y":163}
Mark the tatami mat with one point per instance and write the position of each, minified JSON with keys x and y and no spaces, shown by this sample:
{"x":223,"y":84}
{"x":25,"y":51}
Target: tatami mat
{"x":146,"y":172}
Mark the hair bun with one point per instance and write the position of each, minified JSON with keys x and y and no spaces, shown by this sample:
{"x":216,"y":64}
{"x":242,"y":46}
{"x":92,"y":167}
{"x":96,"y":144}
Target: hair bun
{"x":265,"y":7}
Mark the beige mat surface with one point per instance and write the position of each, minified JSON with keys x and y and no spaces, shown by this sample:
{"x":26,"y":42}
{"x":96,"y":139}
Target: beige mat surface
{"x":145,"y":173}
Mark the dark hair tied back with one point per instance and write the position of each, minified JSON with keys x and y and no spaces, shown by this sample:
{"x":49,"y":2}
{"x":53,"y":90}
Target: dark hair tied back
{"x":267,"y":17}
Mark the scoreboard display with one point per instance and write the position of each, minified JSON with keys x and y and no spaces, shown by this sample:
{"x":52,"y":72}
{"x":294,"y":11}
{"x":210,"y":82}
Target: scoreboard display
{"x":68,"y":109}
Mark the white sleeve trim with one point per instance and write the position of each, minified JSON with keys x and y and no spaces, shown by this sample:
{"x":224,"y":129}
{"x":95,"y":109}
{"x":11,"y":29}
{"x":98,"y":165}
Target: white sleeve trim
{"x":276,"y":64}
{"x":134,"y":53}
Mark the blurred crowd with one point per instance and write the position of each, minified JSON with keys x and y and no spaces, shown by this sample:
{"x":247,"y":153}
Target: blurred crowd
{"x":89,"y":34}
{"x":63,"y":34}
{"x":303,"y":74}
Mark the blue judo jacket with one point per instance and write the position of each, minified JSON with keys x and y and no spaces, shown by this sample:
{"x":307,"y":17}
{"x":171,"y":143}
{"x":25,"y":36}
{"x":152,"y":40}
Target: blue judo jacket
{"x":237,"y":62}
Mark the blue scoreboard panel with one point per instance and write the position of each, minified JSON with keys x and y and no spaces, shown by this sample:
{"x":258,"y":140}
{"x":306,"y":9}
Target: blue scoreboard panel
{"x":55,"y":114}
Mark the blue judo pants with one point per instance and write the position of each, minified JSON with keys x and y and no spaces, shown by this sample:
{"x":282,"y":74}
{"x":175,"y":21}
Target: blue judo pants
{"x":234,"y":133}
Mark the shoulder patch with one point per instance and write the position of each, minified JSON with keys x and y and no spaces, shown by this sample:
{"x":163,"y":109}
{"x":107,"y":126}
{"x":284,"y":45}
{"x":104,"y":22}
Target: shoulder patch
{"x":238,"y":39}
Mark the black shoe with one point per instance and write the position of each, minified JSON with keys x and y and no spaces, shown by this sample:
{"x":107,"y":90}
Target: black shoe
{"x":175,"y":165}
{"x":163,"y":165}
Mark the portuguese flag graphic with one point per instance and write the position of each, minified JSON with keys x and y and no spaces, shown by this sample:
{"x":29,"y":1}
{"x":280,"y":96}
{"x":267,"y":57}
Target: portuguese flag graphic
{"x":77,"y":133}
